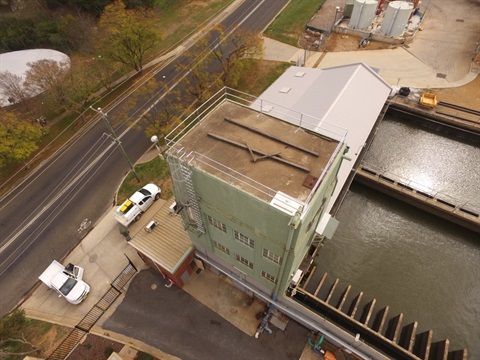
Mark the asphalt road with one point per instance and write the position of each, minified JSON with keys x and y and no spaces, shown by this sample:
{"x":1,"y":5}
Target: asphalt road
{"x":187,"y":329}
{"x":50,"y":212}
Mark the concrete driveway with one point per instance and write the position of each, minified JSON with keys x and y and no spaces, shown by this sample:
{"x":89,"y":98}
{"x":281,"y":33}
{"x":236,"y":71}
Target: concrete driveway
{"x":440,"y":55}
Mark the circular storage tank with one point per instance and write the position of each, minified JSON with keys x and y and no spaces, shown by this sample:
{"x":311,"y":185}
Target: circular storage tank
{"x":396,"y":18}
{"x":363,"y":14}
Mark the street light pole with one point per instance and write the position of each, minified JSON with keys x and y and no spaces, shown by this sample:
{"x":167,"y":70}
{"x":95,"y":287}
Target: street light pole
{"x":337,"y":9}
{"x":112,"y":131}
{"x":154,"y":140}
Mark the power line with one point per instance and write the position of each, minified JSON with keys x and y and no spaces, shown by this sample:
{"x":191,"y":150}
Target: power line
{"x":114,"y":135}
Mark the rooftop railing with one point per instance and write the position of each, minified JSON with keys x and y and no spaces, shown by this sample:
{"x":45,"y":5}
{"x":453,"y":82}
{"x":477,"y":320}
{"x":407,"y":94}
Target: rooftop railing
{"x":299,"y":119}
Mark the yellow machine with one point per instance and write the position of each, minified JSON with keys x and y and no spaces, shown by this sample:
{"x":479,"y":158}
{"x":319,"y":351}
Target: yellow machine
{"x":428,"y":99}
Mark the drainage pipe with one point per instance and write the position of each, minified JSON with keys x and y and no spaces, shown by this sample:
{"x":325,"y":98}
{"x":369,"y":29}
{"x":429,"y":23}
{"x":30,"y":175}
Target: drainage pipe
{"x":294,"y":315}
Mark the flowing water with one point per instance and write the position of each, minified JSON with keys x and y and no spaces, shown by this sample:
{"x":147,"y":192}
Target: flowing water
{"x":418,"y":264}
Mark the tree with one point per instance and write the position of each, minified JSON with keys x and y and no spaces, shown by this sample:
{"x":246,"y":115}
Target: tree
{"x":163,"y":114}
{"x":48,"y":76}
{"x":233,"y":52}
{"x":202,"y":78}
{"x":11,"y":86}
{"x":12,"y":340}
{"x":18,"y":137}
{"x":127,"y":35}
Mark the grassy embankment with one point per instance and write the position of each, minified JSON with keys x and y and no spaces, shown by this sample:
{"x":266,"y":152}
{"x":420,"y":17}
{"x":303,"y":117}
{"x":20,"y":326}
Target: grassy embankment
{"x":289,"y":25}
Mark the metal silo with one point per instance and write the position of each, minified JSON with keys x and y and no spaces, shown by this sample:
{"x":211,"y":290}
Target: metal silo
{"x":363,"y":14}
{"x":396,"y":18}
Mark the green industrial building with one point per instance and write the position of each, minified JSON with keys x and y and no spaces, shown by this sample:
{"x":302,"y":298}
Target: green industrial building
{"x":252,"y":187}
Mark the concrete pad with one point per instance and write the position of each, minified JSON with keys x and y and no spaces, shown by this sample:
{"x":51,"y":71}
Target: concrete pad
{"x":397,"y":67}
{"x":278,"y":51}
{"x":217,"y":293}
{"x":102,"y":254}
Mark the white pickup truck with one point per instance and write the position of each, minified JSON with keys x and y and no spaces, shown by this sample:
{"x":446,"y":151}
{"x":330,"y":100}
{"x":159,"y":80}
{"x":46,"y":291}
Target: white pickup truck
{"x":133,"y":208}
{"x":66,"y":281}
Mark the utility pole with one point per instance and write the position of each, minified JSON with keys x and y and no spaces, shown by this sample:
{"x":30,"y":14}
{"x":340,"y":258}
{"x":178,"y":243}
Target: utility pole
{"x":112,"y":131}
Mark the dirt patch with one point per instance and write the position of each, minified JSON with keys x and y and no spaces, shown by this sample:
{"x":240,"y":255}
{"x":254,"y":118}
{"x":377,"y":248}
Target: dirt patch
{"x":95,"y":347}
{"x":340,"y":42}
{"x":467,"y":95}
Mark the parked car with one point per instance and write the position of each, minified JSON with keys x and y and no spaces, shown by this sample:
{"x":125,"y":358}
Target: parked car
{"x":133,"y":208}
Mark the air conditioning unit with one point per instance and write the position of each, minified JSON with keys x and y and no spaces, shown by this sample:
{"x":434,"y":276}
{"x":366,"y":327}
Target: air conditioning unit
{"x":150,"y":226}
{"x":296,"y":277}
{"x":175,"y":208}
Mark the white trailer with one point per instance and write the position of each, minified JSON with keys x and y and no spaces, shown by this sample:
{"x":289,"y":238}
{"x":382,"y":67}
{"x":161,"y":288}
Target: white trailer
{"x":66,"y":281}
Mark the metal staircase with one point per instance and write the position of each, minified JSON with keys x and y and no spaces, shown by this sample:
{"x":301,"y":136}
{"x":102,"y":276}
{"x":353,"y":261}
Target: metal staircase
{"x":192,"y":198}
{"x":68,"y":344}
{"x":184,"y":188}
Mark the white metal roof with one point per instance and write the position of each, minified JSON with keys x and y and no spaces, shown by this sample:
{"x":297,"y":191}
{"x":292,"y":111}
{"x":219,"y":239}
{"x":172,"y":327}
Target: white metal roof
{"x":349,"y":96}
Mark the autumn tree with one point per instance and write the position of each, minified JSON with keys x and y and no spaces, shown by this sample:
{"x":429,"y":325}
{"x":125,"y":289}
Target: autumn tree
{"x":18,"y":137}
{"x":65,"y":86}
{"x":127,"y":35}
{"x":235,"y":51}
{"x":202,"y":78}
{"x":48,"y":76}
{"x":164,"y":106}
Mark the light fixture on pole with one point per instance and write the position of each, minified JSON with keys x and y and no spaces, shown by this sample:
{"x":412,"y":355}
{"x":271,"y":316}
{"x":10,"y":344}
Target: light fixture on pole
{"x":337,"y":10}
{"x":154,"y":140}
{"x":112,"y":132}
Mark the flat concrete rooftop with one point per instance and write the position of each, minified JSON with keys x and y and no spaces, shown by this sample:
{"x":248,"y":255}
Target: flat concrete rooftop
{"x":307,"y":153}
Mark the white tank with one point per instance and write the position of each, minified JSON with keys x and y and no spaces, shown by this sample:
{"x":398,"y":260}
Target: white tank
{"x":363,"y":14}
{"x":396,"y":18}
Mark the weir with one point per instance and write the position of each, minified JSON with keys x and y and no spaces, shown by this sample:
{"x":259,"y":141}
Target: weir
{"x":386,"y":333}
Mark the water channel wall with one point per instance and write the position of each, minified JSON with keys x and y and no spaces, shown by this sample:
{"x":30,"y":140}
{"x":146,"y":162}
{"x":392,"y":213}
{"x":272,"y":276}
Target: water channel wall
{"x":433,"y":203}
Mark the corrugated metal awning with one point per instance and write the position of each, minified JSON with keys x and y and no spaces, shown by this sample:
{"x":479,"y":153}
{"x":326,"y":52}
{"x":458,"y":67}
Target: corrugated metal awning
{"x":168,"y":243}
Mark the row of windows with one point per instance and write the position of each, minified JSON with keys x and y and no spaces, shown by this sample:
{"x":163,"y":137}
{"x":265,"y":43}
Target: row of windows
{"x":244,"y":261}
{"x":244,"y":240}
{"x":218,"y":224}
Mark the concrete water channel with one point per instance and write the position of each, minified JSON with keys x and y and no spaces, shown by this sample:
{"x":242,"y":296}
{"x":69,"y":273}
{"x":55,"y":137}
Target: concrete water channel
{"x":401,"y":278}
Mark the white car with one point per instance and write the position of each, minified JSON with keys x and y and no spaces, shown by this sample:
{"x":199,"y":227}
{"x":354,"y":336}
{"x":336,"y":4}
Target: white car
{"x":133,"y":208}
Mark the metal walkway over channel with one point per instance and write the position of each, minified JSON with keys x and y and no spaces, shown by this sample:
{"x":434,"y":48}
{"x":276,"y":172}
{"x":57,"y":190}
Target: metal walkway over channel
{"x":433,"y":202}
{"x":376,"y":327}
{"x":90,"y":319}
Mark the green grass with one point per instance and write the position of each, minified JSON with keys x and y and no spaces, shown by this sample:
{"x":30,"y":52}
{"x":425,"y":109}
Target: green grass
{"x":155,"y":171}
{"x":181,"y":18}
{"x":289,"y":25}
{"x":260,"y":76}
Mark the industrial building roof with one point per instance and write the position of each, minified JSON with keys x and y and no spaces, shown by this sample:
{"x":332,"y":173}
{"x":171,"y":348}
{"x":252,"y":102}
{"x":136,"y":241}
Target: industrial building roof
{"x":167,"y":244}
{"x":348,"y":96}
{"x":257,"y":152}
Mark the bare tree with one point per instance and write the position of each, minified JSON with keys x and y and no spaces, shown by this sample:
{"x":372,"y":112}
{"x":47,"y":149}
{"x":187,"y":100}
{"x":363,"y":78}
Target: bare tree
{"x":11,"y":86}
{"x":234,"y":50}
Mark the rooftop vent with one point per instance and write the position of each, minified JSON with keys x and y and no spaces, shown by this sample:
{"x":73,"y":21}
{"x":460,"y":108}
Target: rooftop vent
{"x":285,"y":90}
{"x":300,"y":74}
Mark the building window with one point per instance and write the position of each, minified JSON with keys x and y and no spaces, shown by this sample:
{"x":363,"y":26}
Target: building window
{"x":269,"y":277}
{"x":243,"y":239}
{"x":272,"y":257}
{"x":244,"y":261}
{"x":218,"y":224}
{"x":221,"y":247}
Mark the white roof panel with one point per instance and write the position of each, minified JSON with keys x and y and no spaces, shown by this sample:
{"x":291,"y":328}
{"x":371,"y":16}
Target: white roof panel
{"x":349,"y":97}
